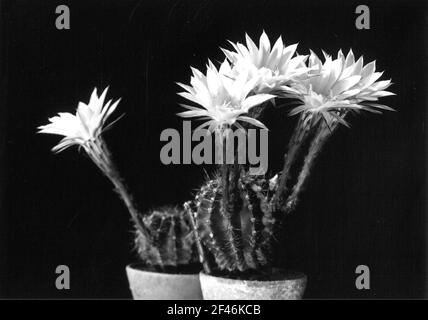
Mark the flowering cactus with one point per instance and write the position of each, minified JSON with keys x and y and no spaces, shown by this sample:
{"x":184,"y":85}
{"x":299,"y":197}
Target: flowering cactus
{"x":237,"y":216}
{"x":332,"y":90}
{"x":163,"y":237}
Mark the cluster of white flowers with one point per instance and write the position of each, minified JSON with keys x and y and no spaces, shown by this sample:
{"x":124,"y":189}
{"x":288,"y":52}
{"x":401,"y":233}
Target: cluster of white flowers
{"x":251,"y":75}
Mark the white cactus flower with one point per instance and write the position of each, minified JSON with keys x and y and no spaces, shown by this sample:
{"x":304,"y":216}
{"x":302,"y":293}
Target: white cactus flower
{"x":338,"y":85}
{"x":87,"y":124}
{"x":222,"y":100}
{"x":275,"y":66}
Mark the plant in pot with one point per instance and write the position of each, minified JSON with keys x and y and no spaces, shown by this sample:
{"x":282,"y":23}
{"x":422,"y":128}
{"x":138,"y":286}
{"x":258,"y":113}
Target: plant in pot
{"x":237,"y":214}
{"x":164,"y":238}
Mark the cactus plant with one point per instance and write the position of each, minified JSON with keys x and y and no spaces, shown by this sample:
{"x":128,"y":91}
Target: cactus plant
{"x":163,"y":238}
{"x":248,"y":245}
{"x":232,"y":247}
{"x":170,"y":243}
{"x":237,"y":216}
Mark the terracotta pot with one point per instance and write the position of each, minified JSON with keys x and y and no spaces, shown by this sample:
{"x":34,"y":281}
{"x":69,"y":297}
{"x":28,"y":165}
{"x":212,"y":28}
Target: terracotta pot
{"x":291,"y":287}
{"x":148,"y":285}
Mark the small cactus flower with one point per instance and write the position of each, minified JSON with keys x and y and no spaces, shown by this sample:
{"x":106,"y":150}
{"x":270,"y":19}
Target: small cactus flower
{"x":275,"y":67}
{"x":87,"y":124}
{"x":338,"y":85}
{"x":222,"y":100}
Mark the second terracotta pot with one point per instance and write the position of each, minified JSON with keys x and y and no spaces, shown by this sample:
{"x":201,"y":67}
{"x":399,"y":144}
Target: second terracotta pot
{"x":290,"y":287}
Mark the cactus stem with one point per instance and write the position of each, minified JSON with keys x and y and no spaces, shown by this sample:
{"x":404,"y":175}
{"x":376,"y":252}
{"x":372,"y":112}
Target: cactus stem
{"x":100,"y":155}
{"x":202,"y":257}
{"x":294,"y":146}
{"x":324,"y":131}
{"x":230,"y":207}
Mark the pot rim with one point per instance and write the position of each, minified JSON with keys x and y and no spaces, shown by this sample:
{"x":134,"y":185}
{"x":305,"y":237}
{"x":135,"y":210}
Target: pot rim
{"x":136,"y":266}
{"x":297,"y":276}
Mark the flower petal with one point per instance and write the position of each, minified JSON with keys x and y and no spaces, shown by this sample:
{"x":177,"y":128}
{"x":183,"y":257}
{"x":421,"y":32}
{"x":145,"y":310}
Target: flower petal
{"x":256,"y":100}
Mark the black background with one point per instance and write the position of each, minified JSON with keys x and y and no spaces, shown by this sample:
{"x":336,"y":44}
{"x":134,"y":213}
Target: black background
{"x":365,"y":203}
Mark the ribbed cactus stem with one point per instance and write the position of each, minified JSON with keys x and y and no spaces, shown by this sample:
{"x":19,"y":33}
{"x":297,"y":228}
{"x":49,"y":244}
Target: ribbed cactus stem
{"x":255,"y":226}
{"x":172,"y":241}
{"x":233,"y":210}
{"x":201,"y":252}
{"x":229,"y":210}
